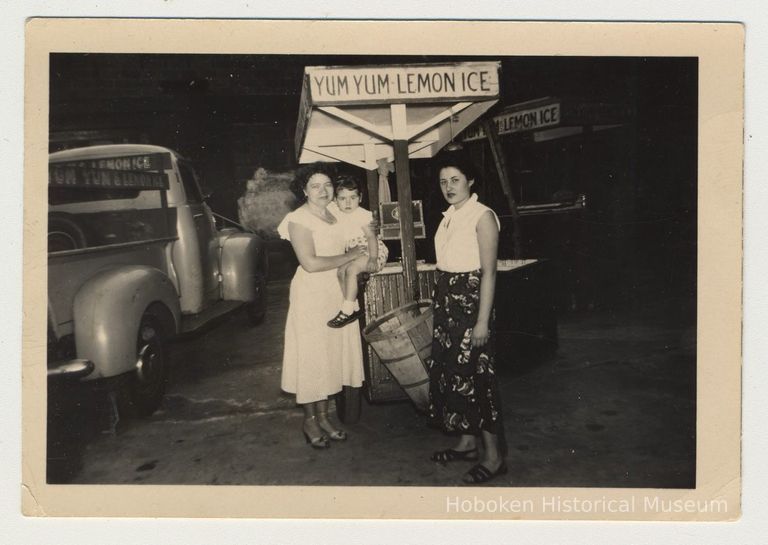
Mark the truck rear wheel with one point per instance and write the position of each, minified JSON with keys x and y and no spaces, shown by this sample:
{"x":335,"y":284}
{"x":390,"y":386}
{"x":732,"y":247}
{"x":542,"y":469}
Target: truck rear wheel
{"x":258,"y":309}
{"x":148,"y":384}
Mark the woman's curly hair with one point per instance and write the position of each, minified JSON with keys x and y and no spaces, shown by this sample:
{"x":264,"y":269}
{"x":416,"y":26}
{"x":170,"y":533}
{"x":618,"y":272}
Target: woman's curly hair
{"x":304,"y":173}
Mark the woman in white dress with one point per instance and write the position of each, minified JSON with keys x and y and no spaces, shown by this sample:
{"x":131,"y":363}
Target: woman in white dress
{"x":318,"y":361}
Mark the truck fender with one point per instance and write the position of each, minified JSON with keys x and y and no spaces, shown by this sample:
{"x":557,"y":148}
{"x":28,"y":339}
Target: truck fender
{"x":242,"y":261}
{"x":108,"y":310}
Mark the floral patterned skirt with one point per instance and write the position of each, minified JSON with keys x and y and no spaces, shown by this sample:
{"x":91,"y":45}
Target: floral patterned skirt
{"x":463,"y":389}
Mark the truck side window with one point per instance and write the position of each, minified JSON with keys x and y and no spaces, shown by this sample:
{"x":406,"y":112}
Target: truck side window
{"x":190,"y":185}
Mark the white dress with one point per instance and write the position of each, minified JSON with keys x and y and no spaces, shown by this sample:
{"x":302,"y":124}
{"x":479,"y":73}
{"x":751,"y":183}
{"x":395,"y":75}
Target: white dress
{"x":318,"y":360}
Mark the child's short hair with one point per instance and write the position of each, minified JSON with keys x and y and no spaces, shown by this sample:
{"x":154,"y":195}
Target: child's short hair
{"x":346,"y":182}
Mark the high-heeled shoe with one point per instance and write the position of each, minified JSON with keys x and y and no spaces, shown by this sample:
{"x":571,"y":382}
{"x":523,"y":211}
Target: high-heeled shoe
{"x":318,"y":442}
{"x":333,"y":433}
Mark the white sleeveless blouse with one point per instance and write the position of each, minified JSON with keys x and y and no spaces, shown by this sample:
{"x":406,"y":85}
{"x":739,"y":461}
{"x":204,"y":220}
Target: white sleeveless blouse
{"x":456,"y":247}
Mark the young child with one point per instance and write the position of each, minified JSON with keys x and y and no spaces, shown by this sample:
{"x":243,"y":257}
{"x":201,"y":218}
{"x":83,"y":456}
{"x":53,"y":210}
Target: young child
{"x":355,"y":222}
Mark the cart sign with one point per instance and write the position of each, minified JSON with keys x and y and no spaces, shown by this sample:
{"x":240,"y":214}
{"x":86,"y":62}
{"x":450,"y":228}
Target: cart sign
{"x":390,"y":221}
{"x":97,"y":178}
{"x":519,"y":121}
{"x":403,"y":84}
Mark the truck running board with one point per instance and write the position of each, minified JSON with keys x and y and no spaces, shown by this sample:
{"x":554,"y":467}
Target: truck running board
{"x":192,"y":322}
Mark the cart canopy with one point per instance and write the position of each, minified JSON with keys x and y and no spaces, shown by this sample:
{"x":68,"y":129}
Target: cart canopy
{"x":353,"y":114}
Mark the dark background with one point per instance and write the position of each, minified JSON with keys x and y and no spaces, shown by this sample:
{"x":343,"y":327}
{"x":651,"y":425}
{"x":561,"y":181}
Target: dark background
{"x":233,"y":113}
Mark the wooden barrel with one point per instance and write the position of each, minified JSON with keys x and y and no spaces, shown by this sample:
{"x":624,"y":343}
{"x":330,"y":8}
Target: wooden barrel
{"x":402,"y":339}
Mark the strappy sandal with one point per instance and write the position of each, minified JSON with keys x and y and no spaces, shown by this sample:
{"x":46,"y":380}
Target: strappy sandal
{"x":480,"y":474}
{"x":334,"y":434}
{"x":342,"y":319}
{"x":319,"y":442}
{"x":451,"y":455}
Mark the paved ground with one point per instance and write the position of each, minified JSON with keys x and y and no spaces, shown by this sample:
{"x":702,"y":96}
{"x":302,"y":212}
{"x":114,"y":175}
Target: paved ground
{"x":613,"y":407}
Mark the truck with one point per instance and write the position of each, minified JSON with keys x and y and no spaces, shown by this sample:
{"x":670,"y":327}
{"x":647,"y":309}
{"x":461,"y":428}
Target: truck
{"x":136,"y":258}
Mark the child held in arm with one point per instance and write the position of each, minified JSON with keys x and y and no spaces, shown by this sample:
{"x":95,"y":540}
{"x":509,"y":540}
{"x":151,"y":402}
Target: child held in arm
{"x":356,"y":223}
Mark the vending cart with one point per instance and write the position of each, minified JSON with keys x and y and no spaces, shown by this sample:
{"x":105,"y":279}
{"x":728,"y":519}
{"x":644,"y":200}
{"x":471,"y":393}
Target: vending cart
{"x":362,"y":115}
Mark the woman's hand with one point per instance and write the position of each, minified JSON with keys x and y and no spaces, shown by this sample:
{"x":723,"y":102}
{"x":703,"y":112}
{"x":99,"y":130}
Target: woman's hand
{"x":355,"y":252}
{"x":480,"y":334}
{"x":372,"y":265}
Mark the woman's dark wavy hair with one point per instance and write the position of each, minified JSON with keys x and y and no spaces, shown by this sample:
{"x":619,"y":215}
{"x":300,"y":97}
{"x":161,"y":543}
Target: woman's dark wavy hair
{"x":457,"y":159}
{"x":304,"y":173}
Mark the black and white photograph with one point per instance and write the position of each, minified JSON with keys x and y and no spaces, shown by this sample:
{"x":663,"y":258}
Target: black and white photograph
{"x":376,"y":270}
{"x":589,"y":170}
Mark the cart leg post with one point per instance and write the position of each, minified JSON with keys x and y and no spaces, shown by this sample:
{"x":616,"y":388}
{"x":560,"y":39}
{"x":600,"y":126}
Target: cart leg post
{"x":503,"y":172}
{"x":405,"y":208}
{"x":372,"y":181}
{"x":404,"y":201}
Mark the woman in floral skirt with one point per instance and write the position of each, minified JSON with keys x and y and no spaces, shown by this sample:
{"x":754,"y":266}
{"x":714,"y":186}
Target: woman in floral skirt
{"x":464,"y":397}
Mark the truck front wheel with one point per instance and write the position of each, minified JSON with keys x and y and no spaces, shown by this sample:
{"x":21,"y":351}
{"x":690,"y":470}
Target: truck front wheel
{"x":148,"y":384}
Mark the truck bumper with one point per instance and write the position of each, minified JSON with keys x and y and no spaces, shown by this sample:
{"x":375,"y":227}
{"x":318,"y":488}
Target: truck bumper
{"x":70,"y":369}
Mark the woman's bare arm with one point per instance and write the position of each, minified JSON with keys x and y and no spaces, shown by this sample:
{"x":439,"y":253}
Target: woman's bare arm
{"x":488,"y":242}
{"x":304,"y":246}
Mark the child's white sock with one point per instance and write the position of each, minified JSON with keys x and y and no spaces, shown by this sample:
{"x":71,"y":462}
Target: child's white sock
{"x":356,"y":306}
{"x":347,"y":307}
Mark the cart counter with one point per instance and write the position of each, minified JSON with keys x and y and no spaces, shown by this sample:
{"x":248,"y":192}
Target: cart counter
{"x":524,"y":306}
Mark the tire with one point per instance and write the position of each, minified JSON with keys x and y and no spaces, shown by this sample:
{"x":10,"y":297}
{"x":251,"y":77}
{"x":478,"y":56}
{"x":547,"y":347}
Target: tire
{"x":257,"y":309}
{"x":147,"y":386}
{"x":349,"y":405}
